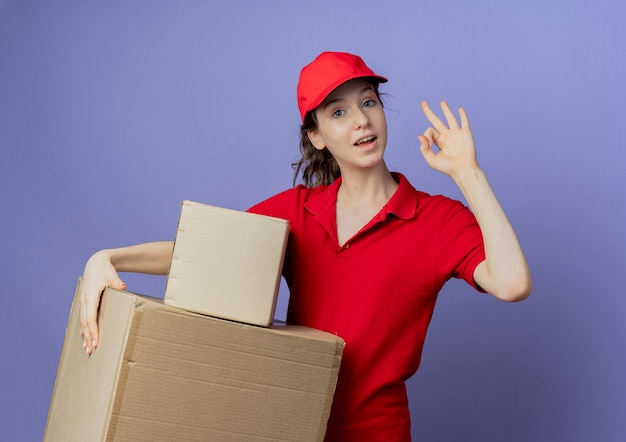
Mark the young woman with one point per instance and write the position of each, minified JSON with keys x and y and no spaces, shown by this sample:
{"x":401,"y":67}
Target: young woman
{"x":367,"y":253}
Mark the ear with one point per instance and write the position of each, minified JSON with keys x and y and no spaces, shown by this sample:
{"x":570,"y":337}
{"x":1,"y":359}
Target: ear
{"x":316,"y":139}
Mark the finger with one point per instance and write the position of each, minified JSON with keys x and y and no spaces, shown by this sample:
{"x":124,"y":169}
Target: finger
{"x":90,"y":329}
{"x":464,"y":119}
{"x":432,"y":117}
{"x":95,"y":338}
{"x":84,"y":328}
{"x":425,"y":148}
{"x":432,"y":136}
{"x":90,"y":334}
{"x":452,"y":123}
{"x":89,"y":314}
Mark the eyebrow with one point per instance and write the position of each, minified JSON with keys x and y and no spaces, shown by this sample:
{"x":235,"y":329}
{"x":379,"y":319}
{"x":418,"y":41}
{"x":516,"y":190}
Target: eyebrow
{"x":328,"y":103}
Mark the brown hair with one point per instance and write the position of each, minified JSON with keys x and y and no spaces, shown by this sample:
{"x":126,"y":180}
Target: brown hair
{"x":318,"y":167}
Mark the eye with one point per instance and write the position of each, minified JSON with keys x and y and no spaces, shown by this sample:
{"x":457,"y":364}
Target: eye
{"x":369,"y":103}
{"x":338,"y":113}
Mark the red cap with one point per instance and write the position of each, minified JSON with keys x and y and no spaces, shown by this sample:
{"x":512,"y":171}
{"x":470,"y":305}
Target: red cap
{"x":325,"y":73}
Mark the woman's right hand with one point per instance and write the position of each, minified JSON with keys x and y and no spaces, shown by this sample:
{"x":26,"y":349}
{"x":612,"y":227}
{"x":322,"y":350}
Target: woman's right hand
{"x":99,"y":273}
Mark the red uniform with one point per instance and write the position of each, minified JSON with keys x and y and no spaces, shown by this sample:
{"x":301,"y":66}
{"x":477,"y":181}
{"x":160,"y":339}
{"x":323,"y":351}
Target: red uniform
{"x":377,"y":292}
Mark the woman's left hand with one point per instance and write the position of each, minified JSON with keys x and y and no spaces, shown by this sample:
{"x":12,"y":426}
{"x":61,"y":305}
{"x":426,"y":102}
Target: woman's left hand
{"x":455,"y":144}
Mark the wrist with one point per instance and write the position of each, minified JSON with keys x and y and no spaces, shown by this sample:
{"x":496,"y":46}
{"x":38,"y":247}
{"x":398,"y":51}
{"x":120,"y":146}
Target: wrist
{"x":467,"y":176}
{"x":104,"y":256}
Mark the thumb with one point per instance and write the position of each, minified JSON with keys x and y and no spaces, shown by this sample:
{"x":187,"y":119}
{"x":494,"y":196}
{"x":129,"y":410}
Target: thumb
{"x":116,"y":282}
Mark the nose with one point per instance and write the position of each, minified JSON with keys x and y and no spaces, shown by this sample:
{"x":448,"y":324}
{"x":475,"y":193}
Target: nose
{"x":361,"y":119}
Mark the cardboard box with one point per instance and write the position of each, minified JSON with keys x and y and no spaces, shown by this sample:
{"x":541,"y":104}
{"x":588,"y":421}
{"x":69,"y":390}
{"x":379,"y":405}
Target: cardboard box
{"x":165,"y":374}
{"x":227,"y":263}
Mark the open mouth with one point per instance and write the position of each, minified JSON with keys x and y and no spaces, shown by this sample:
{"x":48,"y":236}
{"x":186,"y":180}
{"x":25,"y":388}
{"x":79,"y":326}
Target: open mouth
{"x":365,"y":141}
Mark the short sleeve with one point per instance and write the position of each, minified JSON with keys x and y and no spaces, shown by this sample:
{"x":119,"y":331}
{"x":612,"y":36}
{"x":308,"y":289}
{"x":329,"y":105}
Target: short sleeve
{"x":281,"y":205}
{"x":460,"y":247}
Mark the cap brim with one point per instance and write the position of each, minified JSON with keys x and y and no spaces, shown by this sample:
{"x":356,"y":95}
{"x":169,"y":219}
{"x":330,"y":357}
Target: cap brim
{"x":331,"y":87}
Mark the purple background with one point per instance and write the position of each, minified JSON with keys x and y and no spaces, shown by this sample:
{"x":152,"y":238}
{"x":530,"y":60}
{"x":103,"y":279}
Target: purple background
{"x":113,"y":112}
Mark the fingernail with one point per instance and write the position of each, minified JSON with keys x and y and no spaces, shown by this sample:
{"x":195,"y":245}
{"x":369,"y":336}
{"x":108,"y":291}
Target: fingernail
{"x":93,"y":343}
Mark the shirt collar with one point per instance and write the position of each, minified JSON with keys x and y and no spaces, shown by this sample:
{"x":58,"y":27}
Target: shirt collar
{"x":404,"y":201}
{"x":401,"y":204}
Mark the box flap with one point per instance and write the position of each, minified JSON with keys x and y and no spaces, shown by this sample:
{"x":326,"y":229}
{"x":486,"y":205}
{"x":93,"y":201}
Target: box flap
{"x":85,"y":385}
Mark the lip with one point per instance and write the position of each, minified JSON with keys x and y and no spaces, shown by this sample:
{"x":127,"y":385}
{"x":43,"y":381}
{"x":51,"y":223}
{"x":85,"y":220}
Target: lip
{"x":365,"y":140}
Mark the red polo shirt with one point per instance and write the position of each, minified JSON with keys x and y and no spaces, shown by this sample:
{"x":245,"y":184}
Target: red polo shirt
{"x":377,"y":292}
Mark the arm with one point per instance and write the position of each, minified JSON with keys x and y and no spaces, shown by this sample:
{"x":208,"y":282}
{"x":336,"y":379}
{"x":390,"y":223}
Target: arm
{"x":504,"y":273}
{"x":101,"y":271}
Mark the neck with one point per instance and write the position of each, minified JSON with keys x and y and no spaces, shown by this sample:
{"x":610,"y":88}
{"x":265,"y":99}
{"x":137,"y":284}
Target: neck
{"x":366,"y":187}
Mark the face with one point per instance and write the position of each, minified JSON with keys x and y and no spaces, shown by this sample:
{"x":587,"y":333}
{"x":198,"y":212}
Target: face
{"x":351,"y":124}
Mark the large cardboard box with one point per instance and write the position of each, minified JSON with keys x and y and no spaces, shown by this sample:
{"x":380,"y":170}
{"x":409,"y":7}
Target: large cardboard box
{"x":165,"y":374}
{"x":227,"y":263}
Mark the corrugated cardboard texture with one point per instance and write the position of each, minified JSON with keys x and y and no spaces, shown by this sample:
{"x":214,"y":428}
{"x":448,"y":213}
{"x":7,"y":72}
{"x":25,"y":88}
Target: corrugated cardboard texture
{"x":227,"y":263}
{"x":164,"y":374}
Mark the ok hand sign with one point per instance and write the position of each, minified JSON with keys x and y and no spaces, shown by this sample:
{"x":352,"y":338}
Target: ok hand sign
{"x":455,"y":144}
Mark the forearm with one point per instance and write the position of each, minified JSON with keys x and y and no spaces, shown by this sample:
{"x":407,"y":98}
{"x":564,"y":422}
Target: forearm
{"x":505,"y":274}
{"x":152,"y":258}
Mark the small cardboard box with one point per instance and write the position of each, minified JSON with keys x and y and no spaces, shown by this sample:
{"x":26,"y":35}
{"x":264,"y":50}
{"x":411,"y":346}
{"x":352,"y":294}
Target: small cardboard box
{"x":227,"y":263}
{"x":165,"y":374}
